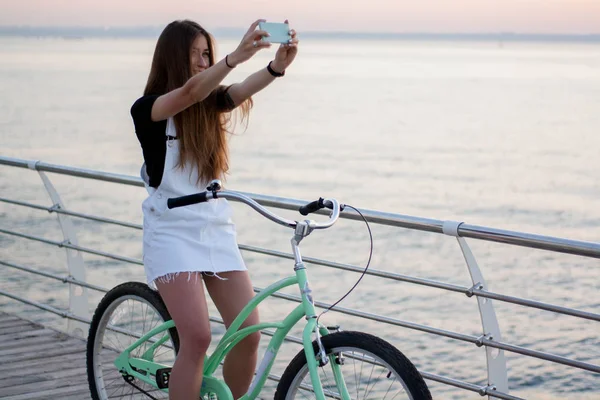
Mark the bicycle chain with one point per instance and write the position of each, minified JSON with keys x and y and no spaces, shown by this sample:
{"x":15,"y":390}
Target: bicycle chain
{"x":129,"y":379}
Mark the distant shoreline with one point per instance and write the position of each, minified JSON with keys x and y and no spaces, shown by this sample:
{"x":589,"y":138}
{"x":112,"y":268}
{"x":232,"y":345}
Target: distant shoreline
{"x":153,"y":32}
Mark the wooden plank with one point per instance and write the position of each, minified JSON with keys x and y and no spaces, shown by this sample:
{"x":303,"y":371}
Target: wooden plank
{"x":66,"y":347}
{"x":57,"y":393}
{"x":35,"y":347}
{"x":51,"y":375}
{"x":83,"y":395}
{"x":26,"y":334}
{"x":40,"y":363}
{"x":5,"y":318}
{"x":32,"y":367}
{"x":16,"y":322}
{"x":79,"y":378}
{"x":8,"y":317}
{"x":30,"y":341}
{"x":17,"y":329}
{"x":70,"y":381}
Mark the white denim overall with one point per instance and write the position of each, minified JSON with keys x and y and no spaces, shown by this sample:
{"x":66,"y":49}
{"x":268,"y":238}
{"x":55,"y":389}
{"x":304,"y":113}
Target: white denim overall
{"x":195,"y":238}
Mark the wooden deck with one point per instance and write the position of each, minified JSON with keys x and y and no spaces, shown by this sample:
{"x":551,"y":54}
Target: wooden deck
{"x":40,"y":363}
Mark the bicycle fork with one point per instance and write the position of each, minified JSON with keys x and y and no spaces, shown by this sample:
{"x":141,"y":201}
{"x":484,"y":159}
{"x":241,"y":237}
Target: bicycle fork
{"x":303,"y":229}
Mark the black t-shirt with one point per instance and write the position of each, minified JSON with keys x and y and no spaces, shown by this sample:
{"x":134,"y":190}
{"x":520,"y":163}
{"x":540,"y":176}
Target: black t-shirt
{"x":152,"y":134}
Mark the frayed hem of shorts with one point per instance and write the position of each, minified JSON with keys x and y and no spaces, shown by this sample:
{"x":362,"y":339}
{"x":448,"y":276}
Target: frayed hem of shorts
{"x":165,"y":279}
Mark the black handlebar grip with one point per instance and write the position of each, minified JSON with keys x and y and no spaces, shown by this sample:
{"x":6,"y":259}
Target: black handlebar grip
{"x":186,"y":200}
{"x":311,"y":207}
{"x":327,"y":204}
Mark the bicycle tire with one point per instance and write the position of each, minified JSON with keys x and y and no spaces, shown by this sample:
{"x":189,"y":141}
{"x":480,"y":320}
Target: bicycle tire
{"x":374,"y":348}
{"x":109,"y":304}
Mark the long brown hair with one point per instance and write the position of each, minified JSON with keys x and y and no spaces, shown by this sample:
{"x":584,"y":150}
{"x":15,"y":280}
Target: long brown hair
{"x":201,"y":128}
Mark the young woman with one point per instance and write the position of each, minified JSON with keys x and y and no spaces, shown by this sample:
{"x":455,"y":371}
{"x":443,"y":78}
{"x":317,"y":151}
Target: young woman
{"x":181,"y":125}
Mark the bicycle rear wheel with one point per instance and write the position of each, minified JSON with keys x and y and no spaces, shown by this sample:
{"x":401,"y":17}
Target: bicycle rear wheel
{"x":372,"y":369}
{"x":126,"y":313}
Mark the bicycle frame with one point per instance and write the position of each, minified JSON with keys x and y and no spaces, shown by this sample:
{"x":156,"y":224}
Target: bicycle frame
{"x":145,"y":369}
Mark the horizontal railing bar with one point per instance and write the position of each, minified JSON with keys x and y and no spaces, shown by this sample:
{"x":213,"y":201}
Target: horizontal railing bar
{"x":103,"y":254}
{"x":24,"y":204}
{"x":72,"y":171}
{"x":59,"y":210}
{"x":57,"y":311}
{"x":559,"y":245}
{"x":497,"y":394}
{"x":537,"y":304}
{"x":449,"y":381}
{"x":500,"y":395}
{"x":426,"y":375}
{"x":74,"y":247}
{"x":467,"y":386}
{"x":30,"y":237}
{"x":430,"y":283}
{"x":353,"y":268}
{"x":454,"y":335}
{"x":380,"y":318}
{"x":531,"y":240}
{"x":541,"y":355}
{"x":64,"y":279}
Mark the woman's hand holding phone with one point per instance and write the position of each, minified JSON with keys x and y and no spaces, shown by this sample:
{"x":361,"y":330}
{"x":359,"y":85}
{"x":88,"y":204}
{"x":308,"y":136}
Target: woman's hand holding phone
{"x":286,"y":53}
{"x":250,"y":44}
{"x":256,"y":39}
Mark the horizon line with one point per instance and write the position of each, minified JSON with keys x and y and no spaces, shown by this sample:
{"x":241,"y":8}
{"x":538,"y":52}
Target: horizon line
{"x":143,"y":31}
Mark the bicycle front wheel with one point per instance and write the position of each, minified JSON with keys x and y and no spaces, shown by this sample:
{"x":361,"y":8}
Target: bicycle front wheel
{"x":371,"y":367}
{"x":125,"y":314}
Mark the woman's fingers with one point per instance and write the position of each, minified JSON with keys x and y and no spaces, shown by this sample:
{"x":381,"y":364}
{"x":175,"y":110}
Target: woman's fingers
{"x":257,"y":35}
{"x":255,"y":24}
{"x":261,"y":44}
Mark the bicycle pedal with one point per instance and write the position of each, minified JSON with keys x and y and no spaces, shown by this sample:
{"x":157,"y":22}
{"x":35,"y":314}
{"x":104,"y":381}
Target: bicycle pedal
{"x":162,"y":377}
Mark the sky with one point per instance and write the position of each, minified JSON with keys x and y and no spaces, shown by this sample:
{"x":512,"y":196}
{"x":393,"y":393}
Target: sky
{"x":434,"y":16}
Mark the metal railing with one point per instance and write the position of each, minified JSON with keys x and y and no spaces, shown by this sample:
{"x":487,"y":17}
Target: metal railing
{"x":490,"y":339}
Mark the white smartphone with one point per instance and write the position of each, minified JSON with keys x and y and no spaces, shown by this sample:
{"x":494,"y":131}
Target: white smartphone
{"x":279,"y":32}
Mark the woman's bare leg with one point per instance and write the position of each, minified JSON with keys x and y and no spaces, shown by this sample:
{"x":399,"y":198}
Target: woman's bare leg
{"x":230,"y":296}
{"x":185,"y":299}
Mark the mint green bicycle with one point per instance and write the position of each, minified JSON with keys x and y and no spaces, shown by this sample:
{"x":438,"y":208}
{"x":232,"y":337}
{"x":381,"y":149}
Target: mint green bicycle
{"x":133,"y":342}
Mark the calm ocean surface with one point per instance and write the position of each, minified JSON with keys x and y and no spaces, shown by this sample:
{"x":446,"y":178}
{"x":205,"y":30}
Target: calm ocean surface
{"x":505,"y":136}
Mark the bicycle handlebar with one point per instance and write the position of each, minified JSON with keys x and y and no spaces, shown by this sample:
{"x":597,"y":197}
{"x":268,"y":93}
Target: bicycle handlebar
{"x":187,"y":200}
{"x":316,"y":205}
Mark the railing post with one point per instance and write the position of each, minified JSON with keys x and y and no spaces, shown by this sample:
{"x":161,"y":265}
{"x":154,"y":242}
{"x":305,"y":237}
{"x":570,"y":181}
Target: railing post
{"x":78,"y":295}
{"x":496,"y":361}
